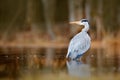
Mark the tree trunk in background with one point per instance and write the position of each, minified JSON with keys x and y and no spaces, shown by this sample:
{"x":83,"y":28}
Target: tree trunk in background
{"x":83,"y":8}
{"x":87,"y":10}
{"x":12,"y":17}
{"x":29,"y":15}
{"x":118,"y":19}
{"x":99,"y":23}
{"x":110,"y":15}
{"x":31,"y":10}
{"x":49,"y":10}
{"x":119,"y":24}
{"x":75,"y":13}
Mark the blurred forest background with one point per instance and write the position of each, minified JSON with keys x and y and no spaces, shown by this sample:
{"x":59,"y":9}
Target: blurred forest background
{"x":35,"y":21}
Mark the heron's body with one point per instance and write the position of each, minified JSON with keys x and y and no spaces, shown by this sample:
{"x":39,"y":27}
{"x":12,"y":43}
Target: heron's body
{"x":79,"y":44}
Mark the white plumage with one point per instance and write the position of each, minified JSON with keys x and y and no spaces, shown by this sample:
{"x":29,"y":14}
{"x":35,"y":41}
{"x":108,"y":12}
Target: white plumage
{"x":80,"y":43}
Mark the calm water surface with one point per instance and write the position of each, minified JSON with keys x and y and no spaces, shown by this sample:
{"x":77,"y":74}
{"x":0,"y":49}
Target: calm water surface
{"x":50,"y":64}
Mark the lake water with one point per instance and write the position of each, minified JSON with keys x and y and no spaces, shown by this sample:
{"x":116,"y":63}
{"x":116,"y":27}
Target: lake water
{"x":50,"y":64}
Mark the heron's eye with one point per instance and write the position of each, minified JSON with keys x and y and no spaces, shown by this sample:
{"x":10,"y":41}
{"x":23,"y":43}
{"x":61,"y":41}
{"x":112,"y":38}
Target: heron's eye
{"x":84,"y":20}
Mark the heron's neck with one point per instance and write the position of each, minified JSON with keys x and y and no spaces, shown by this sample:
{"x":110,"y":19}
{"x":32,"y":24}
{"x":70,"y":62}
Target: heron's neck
{"x":86,"y":27}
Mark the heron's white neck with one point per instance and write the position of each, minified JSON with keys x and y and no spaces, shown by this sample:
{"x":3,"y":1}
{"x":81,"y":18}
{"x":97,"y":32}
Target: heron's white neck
{"x":86,"y":27}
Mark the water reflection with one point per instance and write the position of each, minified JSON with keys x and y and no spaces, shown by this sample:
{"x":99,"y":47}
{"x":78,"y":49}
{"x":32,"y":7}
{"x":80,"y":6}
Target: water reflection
{"x":17,"y":63}
{"x":78,"y":68}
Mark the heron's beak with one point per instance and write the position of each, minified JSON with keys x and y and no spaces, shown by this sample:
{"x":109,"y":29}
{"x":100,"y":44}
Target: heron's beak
{"x":75,"y":22}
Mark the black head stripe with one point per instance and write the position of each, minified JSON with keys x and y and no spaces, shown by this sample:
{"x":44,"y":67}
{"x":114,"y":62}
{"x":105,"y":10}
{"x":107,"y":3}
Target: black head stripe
{"x":84,"y":20}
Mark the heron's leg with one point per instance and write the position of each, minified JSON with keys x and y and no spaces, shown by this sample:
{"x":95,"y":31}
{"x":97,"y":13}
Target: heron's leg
{"x":78,"y":57}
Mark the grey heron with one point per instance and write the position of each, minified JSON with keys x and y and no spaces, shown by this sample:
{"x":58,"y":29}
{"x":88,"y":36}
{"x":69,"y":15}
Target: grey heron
{"x":80,"y":43}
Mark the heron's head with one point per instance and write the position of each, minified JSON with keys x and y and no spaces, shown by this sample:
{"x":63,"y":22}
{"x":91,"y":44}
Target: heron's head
{"x":81,"y":22}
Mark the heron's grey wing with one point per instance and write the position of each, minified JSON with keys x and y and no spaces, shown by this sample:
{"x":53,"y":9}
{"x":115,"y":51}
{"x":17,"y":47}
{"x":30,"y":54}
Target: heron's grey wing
{"x":78,"y":48}
{"x":78,"y":45}
{"x":73,"y":45}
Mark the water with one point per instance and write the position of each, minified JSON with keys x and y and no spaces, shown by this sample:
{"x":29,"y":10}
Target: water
{"x":36,"y":64}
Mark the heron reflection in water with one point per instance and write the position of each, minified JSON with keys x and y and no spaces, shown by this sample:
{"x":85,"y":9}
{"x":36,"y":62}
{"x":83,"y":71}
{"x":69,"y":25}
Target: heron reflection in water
{"x":78,"y":69}
{"x":80,"y":43}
